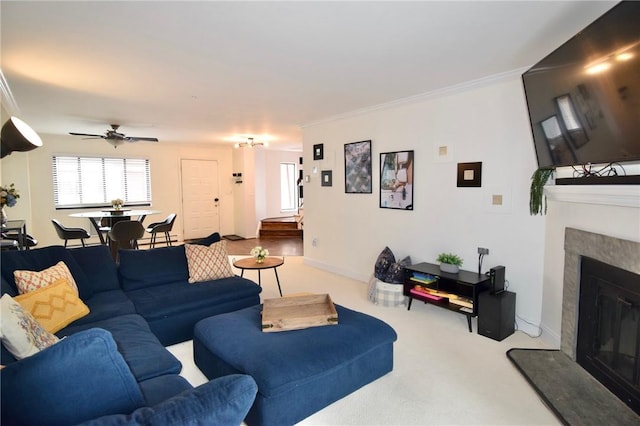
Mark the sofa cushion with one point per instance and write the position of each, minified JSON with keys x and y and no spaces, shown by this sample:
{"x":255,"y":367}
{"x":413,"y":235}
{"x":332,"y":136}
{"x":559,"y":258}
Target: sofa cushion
{"x":80,"y":378}
{"x":208,"y":263}
{"x":140,"y":348}
{"x":175,"y":298}
{"x":158,"y":389}
{"x":207,"y":241}
{"x":107,"y":304}
{"x":21,"y":334}
{"x":223,"y":401}
{"x":42,"y":258}
{"x":146,"y":268}
{"x":97,"y":263}
{"x":27,"y":281}
{"x":54,"y":306}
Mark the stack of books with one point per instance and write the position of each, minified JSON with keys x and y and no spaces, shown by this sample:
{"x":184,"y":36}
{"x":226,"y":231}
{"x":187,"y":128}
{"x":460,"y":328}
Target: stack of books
{"x":461,"y":301}
{"x":429,"y":293}
{"x":424,"y":279}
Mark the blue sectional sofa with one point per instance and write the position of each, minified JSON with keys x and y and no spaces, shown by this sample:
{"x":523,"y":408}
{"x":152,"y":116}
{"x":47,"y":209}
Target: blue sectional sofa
{"x":111,"y":366}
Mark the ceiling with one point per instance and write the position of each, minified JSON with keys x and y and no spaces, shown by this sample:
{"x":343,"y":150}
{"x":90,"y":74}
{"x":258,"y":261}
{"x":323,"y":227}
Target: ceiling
{"x":220,"y":72}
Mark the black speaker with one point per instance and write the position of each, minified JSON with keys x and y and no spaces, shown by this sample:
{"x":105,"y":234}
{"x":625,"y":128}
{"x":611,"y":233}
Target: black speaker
{"x":496,"y":279}
{"x":496,"y":314}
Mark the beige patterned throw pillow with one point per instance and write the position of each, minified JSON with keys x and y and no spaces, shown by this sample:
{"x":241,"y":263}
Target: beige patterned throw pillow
{"x":27,"y":281}
{"x":208,"y":263}
{"x":21,"y":334}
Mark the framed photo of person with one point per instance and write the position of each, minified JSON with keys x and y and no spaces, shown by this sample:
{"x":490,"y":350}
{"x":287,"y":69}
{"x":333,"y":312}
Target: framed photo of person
{"x":396,"y":180}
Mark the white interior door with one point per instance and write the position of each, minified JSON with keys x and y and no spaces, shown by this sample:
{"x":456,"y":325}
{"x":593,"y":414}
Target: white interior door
{"x":200,"y":198}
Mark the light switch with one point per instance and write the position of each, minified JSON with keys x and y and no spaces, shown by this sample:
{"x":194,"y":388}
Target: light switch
{"x":496,"y":199}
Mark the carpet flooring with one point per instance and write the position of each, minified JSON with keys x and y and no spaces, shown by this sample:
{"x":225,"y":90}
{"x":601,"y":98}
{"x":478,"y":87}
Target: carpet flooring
{"x":575,"y":396}
{"x":442,"y":375}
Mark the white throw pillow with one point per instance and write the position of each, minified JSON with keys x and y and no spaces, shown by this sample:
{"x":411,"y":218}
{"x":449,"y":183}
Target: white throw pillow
{"x":21,"y":334}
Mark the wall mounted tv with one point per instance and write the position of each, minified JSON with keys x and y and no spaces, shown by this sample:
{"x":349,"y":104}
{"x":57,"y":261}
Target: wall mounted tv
{"x":584,"y":98}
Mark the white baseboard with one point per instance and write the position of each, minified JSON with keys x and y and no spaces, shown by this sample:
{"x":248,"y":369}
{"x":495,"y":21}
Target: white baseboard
{"x":330,"y":268}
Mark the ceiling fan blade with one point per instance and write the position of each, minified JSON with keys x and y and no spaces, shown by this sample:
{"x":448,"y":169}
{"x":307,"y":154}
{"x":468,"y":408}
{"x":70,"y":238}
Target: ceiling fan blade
{"x":135,"y":139}
{"x":86,"y":134}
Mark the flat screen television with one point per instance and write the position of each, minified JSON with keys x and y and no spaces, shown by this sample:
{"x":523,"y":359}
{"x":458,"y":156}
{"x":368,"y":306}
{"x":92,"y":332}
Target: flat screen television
{"x":584,"y":98}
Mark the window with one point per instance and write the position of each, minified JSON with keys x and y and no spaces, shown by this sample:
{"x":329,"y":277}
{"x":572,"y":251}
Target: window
{"x":94,"y":181}
{"x":287,"y":187}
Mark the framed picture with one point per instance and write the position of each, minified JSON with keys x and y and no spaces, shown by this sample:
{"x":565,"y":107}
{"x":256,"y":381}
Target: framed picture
{"x":327,"y":178}
{"x":357,"y":168}
{"x":470,"y":174}
{"x":396,"y":180}
{"x":318,"y":151}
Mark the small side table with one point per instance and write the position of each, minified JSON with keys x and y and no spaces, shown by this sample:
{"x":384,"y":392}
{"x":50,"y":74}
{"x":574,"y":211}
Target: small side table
{"x":251,"y":264}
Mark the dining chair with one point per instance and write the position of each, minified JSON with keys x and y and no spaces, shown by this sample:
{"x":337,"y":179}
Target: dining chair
{"x":125,"y":235}
{"x":165,"y":227}
{"x":66,"y":233}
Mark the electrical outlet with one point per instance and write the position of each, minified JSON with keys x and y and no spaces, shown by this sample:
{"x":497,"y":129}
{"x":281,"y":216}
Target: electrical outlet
{"x":482,"y":250}
{"x":314,"y":243}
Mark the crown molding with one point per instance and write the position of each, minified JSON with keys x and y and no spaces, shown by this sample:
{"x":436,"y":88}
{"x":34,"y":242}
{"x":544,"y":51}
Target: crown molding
{"x":445,"y":91}
{"x":608,"y":195}
{"x":8,"y":100}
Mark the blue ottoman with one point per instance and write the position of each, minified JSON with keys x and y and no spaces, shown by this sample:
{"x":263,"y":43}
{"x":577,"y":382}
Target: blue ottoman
{"x":298,"y":372}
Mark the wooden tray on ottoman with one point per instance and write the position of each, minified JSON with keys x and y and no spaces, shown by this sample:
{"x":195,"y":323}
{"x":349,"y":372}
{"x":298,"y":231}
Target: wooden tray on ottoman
{"x":297,"y":312}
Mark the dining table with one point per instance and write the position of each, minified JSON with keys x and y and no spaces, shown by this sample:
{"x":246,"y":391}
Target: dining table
{"x":113,"y":216}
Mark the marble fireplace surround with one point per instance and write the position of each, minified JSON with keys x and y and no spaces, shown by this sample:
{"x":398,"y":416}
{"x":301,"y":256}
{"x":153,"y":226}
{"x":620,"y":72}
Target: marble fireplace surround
{"x":621,"y":253}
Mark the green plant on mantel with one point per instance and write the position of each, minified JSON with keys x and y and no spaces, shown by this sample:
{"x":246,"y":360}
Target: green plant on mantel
{"x":537,"y":199}
{"x":450,"y":258}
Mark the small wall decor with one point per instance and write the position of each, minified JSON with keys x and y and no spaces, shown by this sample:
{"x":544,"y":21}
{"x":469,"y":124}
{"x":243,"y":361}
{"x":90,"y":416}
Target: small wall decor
{"x":357,"y":167}
{"x":396,"y":180}
{"x":327,"y":178}
{"x":318,"y":151}
{"x":470,"y":174}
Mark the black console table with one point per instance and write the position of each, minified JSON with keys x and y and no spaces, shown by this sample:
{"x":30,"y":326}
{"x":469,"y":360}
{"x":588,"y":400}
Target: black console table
{"x":455,"y":292}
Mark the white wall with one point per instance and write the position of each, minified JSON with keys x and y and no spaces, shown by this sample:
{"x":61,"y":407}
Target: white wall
{"x":486,"y":122}
{"x":32,"y":171}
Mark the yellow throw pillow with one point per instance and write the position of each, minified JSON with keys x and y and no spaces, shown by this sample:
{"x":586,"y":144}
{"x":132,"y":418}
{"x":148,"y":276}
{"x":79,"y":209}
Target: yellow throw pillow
{"x":27,"y":281}
{"x":21,"y":334}
{"x":54,"y":306}
{"x":208,"y":263}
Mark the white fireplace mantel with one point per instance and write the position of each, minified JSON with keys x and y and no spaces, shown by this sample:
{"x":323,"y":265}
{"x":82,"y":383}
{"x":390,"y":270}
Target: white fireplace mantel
{"x":610,"y":195}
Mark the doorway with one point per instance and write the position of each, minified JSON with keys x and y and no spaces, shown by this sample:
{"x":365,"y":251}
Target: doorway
{"x":200,"y":198}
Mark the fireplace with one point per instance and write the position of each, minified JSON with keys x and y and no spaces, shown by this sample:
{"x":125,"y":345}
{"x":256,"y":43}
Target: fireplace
{"x":609,"y":328}
{"x":601,"y":310}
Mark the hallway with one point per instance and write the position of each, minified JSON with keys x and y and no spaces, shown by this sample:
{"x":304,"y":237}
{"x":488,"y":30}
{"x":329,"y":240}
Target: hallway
{"x":280,"y":246}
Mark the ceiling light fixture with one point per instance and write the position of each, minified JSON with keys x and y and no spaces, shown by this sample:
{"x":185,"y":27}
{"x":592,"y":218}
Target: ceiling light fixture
{"x":250,"y":143}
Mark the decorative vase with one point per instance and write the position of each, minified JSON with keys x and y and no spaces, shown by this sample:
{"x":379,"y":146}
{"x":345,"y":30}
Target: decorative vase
{"x":448,"y":267}
{"x":3,"y":215}
{"x":259,"y":259}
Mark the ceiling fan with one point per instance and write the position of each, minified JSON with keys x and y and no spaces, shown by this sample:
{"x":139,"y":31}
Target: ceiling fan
{"x":114,"y":137}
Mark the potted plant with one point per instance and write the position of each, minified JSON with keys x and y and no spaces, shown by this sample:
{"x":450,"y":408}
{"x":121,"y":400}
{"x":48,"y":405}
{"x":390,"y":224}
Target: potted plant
{"x":117,"y":204}
{"x":449,"y":262}
{"x":537,"y":199}
{"x":259,"y":253}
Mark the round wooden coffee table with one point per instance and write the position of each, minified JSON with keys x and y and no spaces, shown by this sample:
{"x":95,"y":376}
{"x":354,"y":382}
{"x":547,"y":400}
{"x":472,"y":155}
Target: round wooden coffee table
{"x":268,"y":263}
